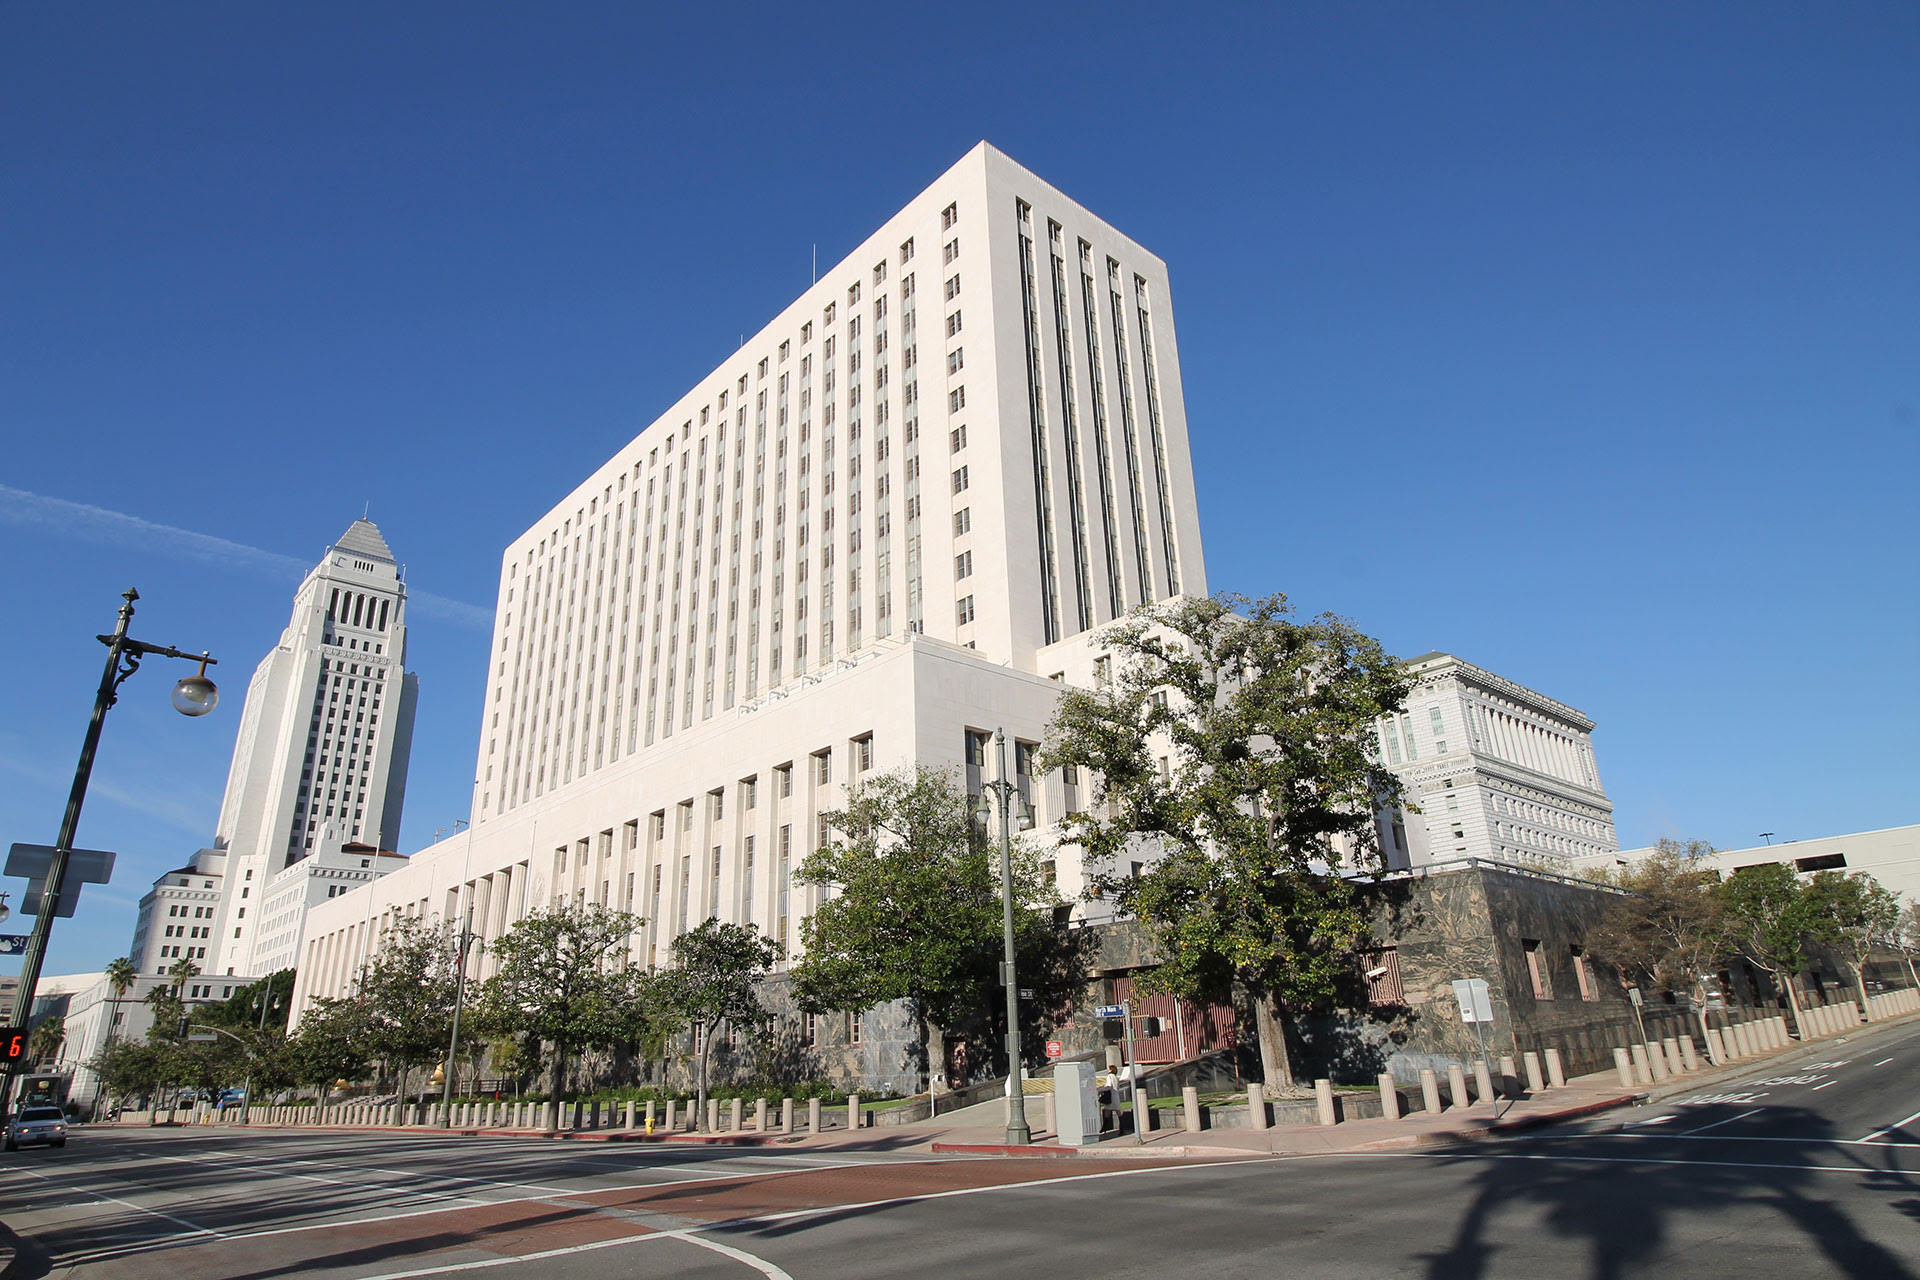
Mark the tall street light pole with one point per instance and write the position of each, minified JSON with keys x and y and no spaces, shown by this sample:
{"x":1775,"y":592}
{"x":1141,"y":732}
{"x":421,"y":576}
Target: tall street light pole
{"x":194,"y":695}
{"x":459,"y":998}
{"x":1018,"y":1135}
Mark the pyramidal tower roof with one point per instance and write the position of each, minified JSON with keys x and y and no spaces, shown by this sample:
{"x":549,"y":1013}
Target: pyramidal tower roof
{"x":362,"y":538}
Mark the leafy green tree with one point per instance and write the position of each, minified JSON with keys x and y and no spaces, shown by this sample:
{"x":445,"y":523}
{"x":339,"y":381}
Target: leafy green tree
{"x":565,"y":978}
{"x":915,"y":913}
{"x":242,"y":1008}
{"x":332,"y":1042}
{"x":406,"y":993}
{"x":1769,"y":919}
{"x":1234,"y":754}
{"x":717,"y":969}
{"x":1855,"y":913}
{"x":1670,"y":930}
{"x":133,"y":1068}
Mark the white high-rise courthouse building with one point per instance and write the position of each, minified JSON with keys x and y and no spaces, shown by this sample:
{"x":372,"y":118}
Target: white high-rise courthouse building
{"x":883,"y":528}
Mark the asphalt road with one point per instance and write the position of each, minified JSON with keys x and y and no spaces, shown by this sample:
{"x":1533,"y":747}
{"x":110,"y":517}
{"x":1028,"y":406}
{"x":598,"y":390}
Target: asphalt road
{"x":1809,"y":1171}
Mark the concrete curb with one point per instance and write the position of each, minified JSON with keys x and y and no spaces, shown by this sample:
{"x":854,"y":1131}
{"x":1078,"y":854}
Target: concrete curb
{"x":1001,"y":1149}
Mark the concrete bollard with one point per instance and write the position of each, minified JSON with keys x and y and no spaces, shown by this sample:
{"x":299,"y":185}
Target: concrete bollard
{"x":736,"y":1115}
{"x":786,"y":1115}
{"x":853,"y":1111}
{"x":1389,"y":1097}
{"x":1482,"y":1082}
{"x":1779,"y":1025}
{"x":1657,"y":1060}
{"x":1689,"y":1057}
{"x":1535,"y":1084}
{"x":673,"y":1120}
{"x":1323,"y":1102}
{"x":1509,"y":1078}
{"x":1672,"y":1046}
{"x":713,"y":1115}
{"x":1190,"y":1108}
{"x":1256,"y":1107}
{"x":1716,"y":1048}
{"x":1731,"y":1037}
{"x":1556,"y":1070}
{"x":1642,"y":1068}
{"x":760,"y":1115}
{"x":813,"y":1115}
{"x":1457,"y":1086}
{"x":1430,"y":1090}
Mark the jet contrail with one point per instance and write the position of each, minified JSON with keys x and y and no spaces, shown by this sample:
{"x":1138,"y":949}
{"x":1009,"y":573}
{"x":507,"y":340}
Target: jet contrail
{"x":86,"y":523}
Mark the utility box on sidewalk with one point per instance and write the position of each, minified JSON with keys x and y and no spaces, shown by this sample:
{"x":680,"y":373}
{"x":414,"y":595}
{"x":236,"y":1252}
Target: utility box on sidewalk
{"x":1076,"y":1104}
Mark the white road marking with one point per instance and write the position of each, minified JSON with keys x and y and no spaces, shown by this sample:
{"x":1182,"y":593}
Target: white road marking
{"x":1706,"y":1164}
{"x":194,"y":1227}
{"x":1828,"y":1085}
{"x":1729,"y":1120}
{"x":1635,"y":1124}
{"x":348,"y":1223}
{"x":1897,"y":1124}
{"x":1883,"y":1062}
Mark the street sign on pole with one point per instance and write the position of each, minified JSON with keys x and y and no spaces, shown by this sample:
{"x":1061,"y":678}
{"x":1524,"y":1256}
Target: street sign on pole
{"x":1476,"y":1005}
{"x":1111,"y":1010}
{"x":1054,"y":1049}
{"x":13,"y":944}
{"x":31,"y":862}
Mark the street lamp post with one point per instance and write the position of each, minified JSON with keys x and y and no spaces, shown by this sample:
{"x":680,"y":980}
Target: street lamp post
{"x":267,"y":1004}
{"x":193,"y":695}
{"x":1018,"y":1134}
{"x":459,"y":998}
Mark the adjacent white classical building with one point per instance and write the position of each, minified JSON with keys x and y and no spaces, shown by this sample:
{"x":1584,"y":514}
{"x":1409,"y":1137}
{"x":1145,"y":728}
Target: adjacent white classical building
{"x":1890,"y":855}
{"x":1497,"y":770}
{"x":880,"y":530}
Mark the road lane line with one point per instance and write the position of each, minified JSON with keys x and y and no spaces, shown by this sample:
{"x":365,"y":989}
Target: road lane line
{"x":1828,"y":1085}
{"x":349,"y":1223}
{"x":1897,"y":1124}
{"x":1729,"y":1120}
{"x":1704,"y":1164}
{"x":1883,"y":1062}
{"x":138,"y":1208}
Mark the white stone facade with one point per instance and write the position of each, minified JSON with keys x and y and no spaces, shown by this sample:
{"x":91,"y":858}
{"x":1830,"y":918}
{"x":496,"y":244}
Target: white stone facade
{"x":865,"y":540}
{"x":1497,"y":770}
{"x":183,"y":917}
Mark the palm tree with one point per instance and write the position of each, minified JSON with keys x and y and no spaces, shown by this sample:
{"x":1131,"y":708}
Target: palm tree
{"x":47,"y":1039}
{"x":120,"y":979}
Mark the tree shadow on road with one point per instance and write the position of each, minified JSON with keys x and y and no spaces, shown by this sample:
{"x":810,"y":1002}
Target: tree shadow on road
{"x":1623,"y":1198}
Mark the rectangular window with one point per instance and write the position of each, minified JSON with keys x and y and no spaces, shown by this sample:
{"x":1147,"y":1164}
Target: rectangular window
{"x":962,"y":521}
{"x":957,"y":439}
{"x":953,"y":324}
{"x":783,"y":777}
{"x":956,"y":399}
{"x":856,"y":1029}
{"x":952,"y":251}
{"x":823,"y":767}
{"x":960,"y":480}
{"x":749,"y":792}
{"x":1581,"y":974}
{"x":810,"y":1033}
{"x":963,"y":612}
{"x":863,"y":753}
{"x":963,"y":565}
{"x":949,"y":216}
{"x":953,"y":288}
{"x":976,"y":748}
{"x":906,"y":252}
{"x":956,"y":360}
{"x":1537,"y":969}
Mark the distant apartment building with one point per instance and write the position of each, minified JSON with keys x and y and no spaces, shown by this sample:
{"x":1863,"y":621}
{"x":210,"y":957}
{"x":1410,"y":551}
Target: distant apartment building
{"x":885,"y":527}
{"x":1890,"y":855}
{"x":1497,"y":770}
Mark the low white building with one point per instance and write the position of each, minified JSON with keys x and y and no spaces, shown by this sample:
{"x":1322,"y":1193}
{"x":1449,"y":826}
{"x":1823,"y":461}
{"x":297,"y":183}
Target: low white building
{"x":1498,"y":771}
{"x":96,"y":1017}
{"x":1890,"y":855}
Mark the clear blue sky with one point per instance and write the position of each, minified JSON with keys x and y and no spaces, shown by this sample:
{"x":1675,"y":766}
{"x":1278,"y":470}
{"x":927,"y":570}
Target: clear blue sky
{"x":1581,"y":341}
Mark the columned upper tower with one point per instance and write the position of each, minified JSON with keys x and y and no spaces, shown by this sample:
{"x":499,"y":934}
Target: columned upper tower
{"x":325,"y":736}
